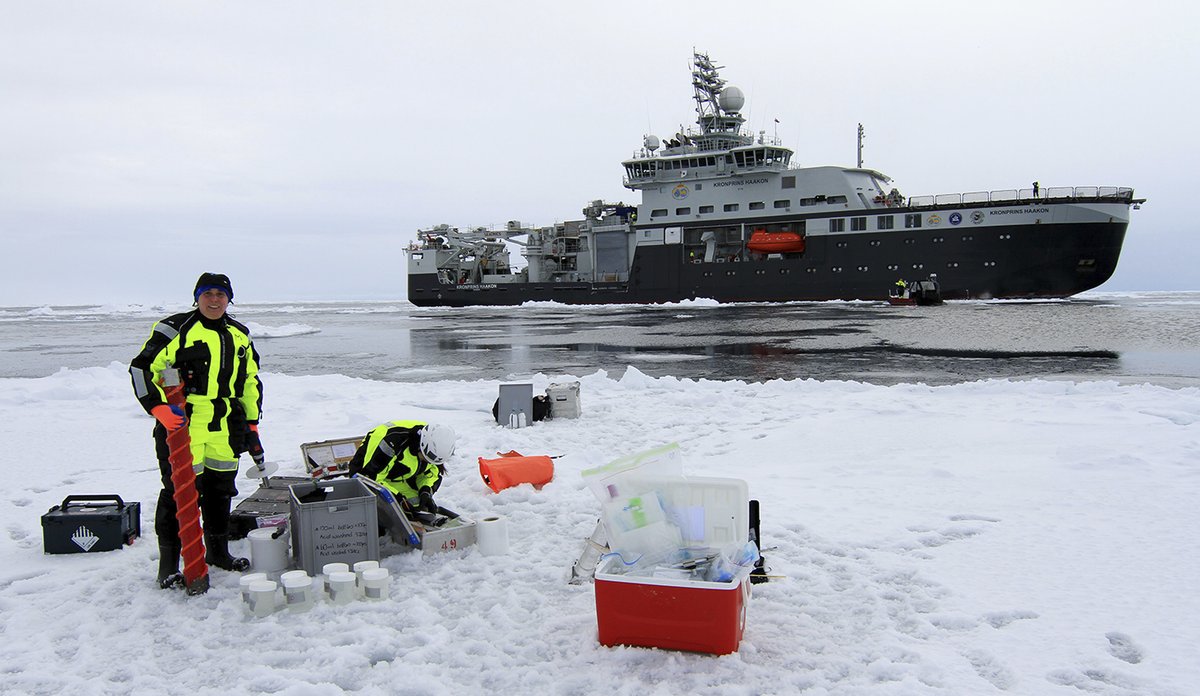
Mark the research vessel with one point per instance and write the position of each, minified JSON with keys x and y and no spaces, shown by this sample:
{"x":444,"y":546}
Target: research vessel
{"x":726,"y":215}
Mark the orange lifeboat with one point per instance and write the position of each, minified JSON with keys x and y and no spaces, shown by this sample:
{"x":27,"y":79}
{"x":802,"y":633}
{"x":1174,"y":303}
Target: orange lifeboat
{"x":766,"y":242}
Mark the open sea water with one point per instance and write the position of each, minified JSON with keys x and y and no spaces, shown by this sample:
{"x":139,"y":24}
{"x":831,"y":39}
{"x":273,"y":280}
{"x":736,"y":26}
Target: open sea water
{"x":1148,"y":337}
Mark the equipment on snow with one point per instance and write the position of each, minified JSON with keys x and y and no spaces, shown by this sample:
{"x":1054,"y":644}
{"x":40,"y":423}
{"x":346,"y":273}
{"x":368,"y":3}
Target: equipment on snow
{"x":512,"y":469}
{"x":187,"y":509}
{"x":90,"y":524}
{"x":584,"y":569}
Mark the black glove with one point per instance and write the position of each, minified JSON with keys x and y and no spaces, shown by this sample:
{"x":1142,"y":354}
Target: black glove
{"x":425,"y":497}
{"x":254,"y":446}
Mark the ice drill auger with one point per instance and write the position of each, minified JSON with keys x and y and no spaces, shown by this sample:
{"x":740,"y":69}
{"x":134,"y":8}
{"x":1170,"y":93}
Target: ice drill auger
{"x":183,"y":480}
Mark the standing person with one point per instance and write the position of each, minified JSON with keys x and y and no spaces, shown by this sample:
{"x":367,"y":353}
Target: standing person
{"x":219,"y":368}
{"x":406,"y":457}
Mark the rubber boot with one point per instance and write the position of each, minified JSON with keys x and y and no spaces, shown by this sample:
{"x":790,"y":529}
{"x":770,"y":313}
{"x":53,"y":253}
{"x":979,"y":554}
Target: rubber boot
{"x":168,"y":567}
{"x":217,"y":553}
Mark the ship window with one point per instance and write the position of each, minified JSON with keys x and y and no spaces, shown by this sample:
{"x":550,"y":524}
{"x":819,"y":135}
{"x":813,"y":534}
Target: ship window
{"x":731,"y":207}
{"x":658,"y":213}
{"x":837,"y":225}
{"x":789,"y":182}
{"x":885,"y":222}
{"x":757,"y":205}
{"x":835,"y":199}
{"x":683,"y":211}
{"x":858,"y":224}
{"x":705,"y":209}
{"x":912,"y":220}
{"x":783,"y":204}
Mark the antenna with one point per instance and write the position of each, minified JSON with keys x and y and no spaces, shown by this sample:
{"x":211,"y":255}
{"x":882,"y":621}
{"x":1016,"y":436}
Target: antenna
{"x":860,"y":139}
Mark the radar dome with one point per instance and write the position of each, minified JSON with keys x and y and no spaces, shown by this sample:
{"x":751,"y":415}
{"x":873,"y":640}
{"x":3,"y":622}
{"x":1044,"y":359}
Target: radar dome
{"x":651,"y":142}
{"x":732,"y":99}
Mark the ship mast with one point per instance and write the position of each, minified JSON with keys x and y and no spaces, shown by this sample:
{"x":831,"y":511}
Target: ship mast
{"x":708,"y":85}
{"x":860,"y":139}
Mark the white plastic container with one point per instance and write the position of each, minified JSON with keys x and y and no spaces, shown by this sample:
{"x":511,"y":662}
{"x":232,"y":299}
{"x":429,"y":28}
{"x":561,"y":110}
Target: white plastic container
{"x":360,"y":568}
{"x":342,"y":588}
{"x":263,"y":601}
{"x":246,"y":581}
{"x":329,"y":569}
{"x":267,"y":555}
{"x":376,"y":583}
{"x":298,"y":592}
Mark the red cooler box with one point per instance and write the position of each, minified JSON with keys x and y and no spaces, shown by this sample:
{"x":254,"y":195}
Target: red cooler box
{"x":682,"y":614}
{"x":690,"y":615}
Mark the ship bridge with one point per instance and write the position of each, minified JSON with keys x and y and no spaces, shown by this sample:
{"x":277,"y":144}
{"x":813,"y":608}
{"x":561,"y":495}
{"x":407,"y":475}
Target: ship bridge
{"x":691,"y":163}
{"x":718,"y":149}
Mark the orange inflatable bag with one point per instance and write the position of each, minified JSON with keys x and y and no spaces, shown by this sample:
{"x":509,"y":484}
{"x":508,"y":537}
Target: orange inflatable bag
{"x":512,"y":469}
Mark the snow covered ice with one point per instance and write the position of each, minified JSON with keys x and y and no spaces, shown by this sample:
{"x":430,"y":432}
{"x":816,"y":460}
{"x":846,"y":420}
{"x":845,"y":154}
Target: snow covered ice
{"x":1024,"y":537}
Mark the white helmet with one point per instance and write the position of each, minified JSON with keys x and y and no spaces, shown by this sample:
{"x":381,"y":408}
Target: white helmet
{"x":437,"y":442}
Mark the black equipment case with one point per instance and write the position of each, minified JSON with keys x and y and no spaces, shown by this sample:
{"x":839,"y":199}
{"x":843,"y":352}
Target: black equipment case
{"x":269,"y":505}
{"x":91,"y":523}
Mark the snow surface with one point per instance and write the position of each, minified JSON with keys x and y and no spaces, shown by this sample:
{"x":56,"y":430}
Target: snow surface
{"x":1034,"y":537}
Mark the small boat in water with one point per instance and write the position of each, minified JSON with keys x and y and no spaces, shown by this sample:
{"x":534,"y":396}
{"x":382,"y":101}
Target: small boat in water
{"x":916,"y":292}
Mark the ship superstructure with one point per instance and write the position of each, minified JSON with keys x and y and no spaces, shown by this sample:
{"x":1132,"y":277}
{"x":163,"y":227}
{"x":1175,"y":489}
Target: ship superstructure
{"x":724,"y":214}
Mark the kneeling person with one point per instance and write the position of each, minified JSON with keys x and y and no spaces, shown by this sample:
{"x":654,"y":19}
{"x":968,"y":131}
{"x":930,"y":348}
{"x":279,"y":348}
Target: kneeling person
{"x":408,"y":458}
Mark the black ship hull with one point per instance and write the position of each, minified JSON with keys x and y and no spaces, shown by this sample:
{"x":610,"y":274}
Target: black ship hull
{"x":1012,"y":261}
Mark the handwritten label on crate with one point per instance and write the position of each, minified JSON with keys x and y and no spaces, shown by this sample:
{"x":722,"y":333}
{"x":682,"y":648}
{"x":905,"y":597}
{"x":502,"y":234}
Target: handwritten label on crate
{"x":338,"y":538}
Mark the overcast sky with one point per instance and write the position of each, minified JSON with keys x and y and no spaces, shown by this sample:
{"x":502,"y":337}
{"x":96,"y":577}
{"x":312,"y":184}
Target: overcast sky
{"x":298,"y":145}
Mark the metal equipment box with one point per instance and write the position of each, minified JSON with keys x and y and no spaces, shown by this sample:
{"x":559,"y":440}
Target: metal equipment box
{"x":515,"y":408}
{"x":333,"y":521}
{"x":90,"y":524}
{"x":564,"y":400}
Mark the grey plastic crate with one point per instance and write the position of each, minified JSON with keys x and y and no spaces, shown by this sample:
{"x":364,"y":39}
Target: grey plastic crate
{"x":343,"y":527}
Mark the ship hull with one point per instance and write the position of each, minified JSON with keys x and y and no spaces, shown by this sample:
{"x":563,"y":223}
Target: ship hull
{"x":1010,"y":261}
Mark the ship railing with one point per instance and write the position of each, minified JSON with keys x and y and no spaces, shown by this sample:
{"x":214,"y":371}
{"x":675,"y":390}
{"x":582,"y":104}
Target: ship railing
{"x":1055,"y":193}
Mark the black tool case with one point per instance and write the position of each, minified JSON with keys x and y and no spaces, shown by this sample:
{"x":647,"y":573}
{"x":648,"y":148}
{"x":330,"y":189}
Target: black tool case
{"x":268,"y":505}
{"x":90,"y":524}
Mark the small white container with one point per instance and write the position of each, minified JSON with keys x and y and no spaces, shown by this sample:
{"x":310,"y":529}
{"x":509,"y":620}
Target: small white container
{"x":360,"y":568}
{"x":268,"y":554}
{"x":248,"y":579}
{"x":376,"y":583}
{"x":262,"y":598}
{"x":292,"y":574}
{"x":342,"y":589}
{"x":298,"y":592}
{"x":329,"y":569}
